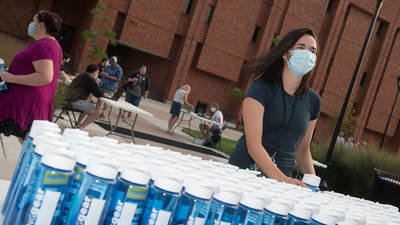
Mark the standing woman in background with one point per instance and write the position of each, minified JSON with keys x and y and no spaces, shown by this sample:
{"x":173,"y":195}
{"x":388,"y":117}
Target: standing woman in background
{"x":280,"y":110}
{"x":32,"y":78}
{"x":181,"y":97}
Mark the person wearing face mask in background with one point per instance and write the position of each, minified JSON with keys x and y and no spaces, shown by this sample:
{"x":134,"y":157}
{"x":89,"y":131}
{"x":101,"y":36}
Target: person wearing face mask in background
{"x":217,"y":117}
{"x":280,"y":110}
{"x":32,"y":78}
{"x":78,"y":93}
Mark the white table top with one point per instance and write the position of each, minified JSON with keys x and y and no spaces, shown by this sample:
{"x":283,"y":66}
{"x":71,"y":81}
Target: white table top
{"x":192,"y":114}
{"x":121,"y":104}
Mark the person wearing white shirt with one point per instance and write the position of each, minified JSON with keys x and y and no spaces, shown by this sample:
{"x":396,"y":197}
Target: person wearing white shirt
{"x":217,"y":117}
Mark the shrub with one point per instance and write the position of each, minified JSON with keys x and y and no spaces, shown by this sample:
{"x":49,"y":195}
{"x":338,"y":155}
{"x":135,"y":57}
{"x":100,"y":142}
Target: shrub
{"x":351,"y":171}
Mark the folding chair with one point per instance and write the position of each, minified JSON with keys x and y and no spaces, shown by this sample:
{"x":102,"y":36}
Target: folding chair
{"x":67,"y":109}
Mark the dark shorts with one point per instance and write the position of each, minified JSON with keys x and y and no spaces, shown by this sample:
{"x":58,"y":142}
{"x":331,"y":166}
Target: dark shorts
{"x":133,"y":99}
{"x":175,"y":108}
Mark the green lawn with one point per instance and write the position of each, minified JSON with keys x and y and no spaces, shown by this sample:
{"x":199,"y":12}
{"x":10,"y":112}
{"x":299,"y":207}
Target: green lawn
{"x":226,"y":145}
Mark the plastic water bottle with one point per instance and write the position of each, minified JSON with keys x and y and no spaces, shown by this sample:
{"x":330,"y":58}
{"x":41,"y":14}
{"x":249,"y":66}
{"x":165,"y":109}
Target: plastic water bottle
{"x":323,"y":219}
{"x":161,"y":202}
{"x":275,"y":214}
{"x":75,"y":183}
{"x":299,"y":216}
{"x":25,"y":176}
{"x":90,"y":204}
{"x":3,"y":85}
{"x":193,"y":205}
{"x":312,"y":182}
{"x":129,"y":198}
{"x":42,"y":202}
{"x":223,"y":209}
{"x":250,"y":210}
{"x":26,"y":150}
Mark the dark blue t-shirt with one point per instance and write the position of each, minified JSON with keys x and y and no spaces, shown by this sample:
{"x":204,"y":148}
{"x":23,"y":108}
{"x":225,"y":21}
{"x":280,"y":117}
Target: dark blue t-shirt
{"x":271,"y":97}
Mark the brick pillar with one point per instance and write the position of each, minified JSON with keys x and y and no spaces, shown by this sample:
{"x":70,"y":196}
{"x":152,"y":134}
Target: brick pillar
{"x":181,"y":65}
{"x":103,"y":43}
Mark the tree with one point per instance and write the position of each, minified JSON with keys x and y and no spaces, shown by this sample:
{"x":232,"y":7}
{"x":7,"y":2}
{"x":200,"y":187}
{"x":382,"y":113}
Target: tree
{"x":237,"y":93}
{"x":349,"y":119}
{"x":93,"y":35}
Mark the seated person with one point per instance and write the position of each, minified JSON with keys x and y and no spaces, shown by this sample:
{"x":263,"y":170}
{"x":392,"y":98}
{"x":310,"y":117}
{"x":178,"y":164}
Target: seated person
{"x":78,"y":95}
{"x":217,"y":117}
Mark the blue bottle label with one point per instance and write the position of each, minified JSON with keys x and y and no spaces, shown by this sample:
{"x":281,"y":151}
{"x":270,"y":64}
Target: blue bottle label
{"x":159,"y":217}
{"x":90,"y":211}
{"x":43,"y":207}
{"x":252,"y":218}
{"x":137,"y":193}
{"x":55,"y":178}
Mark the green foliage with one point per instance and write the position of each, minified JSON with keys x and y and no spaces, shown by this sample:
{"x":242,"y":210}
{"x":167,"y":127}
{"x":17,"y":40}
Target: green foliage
{"x":59,"y":96}
{"x":351,"y":171}
{"x":276,"y":40}
{"x":237,"y":93}
{"x":226,"y":145}
{"x":349,"y":120}
{"x":93,"y":35}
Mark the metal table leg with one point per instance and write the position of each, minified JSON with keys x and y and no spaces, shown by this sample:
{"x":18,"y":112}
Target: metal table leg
{"x":133,"y":126}
{"x":2,"y":147}
{"x":112,"y":128}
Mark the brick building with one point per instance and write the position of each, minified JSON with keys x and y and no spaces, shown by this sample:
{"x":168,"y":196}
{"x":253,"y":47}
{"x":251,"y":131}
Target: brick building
{"x":206,"y":42}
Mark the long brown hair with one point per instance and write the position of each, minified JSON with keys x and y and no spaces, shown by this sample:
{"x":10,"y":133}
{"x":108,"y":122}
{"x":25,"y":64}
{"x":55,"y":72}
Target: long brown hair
{"x":269,"y":67}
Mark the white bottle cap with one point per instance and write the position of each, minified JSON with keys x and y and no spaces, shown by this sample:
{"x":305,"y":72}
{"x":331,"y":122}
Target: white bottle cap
{"x":135,"y":176}
{"x":82,"y":158}
{"x":324,"y":219}
{"x":1,"y":61}
{"x":42,"y":148}
{"x":285,"y":201}
{"x":47,"y":137}
{"x":278,"y":208}
{"x":168,"y":184}
{"x":70,"y":131}
{"x":58,"y":161}
{"x":253,"y":202}
{"x":197,"y":190}
{"x":43,"y":123}
{"x":348,"y":222}
{"x":55,"y":144}
{"x":102,"y":169}
{"x":64,"y":152}
{"x":76,"y":138}
{"x":42,"y":127}
{"x":311,"y":179}
{"x":301,"y":213}
{"x":227,"y":197}
{"x":98,"y":139}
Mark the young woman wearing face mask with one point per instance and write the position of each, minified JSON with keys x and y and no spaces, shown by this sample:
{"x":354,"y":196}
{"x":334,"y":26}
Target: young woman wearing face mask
{"x":32,"y":78}
{"x":280,"y":110}
{"x":217,"y":117}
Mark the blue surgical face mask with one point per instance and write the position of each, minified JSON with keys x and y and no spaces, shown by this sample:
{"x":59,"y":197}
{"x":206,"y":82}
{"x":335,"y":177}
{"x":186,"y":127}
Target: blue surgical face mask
{"x":32,"y":29}
{"x":301,"y":62}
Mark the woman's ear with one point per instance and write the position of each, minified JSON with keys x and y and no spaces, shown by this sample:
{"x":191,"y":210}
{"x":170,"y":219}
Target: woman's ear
{"x":286,"y":56}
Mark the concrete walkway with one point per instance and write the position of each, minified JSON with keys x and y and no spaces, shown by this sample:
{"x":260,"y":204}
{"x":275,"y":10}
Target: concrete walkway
{"x":155,"y":126}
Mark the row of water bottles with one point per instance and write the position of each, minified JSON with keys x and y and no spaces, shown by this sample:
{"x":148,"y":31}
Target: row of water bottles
{"x":76,"y":179}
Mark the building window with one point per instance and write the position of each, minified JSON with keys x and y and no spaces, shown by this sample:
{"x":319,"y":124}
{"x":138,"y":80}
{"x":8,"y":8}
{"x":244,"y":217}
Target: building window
{"x":380,"y":28}
{"x":255,"y":34}
{"x":187,"y":6}
{"x":363,"y":78}
{"x":210,"y":13}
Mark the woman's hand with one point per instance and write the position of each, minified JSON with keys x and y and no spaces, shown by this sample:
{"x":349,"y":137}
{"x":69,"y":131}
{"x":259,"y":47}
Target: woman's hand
{"x":290,"y":180}
{"x":7,"y":77}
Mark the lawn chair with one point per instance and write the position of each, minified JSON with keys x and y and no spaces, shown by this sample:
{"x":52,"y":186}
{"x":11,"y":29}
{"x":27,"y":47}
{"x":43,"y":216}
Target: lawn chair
{"x":215,"y":137}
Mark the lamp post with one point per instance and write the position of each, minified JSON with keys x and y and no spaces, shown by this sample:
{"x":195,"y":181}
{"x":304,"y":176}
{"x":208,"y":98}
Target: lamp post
{"x":328,"y":159}
{"x":390,"y":116}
